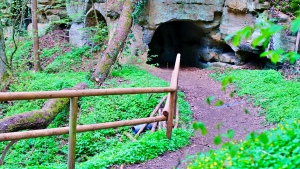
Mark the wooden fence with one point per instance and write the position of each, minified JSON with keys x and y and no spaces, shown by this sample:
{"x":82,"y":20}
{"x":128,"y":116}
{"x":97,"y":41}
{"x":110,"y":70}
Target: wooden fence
{"x":168,"y":111}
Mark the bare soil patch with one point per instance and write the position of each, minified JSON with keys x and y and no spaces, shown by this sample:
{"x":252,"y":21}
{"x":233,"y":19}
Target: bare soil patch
{"x":52,"y":39}
{"x":197,"y":86}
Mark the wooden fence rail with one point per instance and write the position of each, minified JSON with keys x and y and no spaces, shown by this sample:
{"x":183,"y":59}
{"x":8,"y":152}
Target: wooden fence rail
{"x":9,"y":96}
{"x":168,"y":111}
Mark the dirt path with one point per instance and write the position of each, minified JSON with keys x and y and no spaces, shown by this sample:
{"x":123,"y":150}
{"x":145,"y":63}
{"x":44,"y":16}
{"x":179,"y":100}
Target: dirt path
{"x":197,"y":86}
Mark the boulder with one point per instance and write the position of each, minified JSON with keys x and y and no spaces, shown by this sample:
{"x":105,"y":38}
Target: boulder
{"x":284,"y":39}
{"x":221,"y":64}
{"x":42,"y":29}
{"x":209,"y":49}
{"x":77,"y":35}
{"x":228,"y":58}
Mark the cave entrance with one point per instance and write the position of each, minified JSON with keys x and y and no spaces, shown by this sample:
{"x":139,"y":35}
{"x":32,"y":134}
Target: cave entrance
{"x":170,"y":38}
{"x":96,"y":30}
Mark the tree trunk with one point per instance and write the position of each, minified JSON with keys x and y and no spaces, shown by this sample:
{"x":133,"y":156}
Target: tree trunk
{"x":37,"y":119}
{"x":2,"y":54}
{"x":37,"y":62}
{"x":110,"y":54}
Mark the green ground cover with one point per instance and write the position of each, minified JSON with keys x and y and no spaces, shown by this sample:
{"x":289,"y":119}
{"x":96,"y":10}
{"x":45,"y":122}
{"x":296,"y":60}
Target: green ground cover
{"x":278,"y":98}
{"x":102,"y":148}
{"x":275,"y":148}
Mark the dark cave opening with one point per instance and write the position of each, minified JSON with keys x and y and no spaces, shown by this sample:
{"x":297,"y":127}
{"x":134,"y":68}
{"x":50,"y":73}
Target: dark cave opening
{"x":196,"y":48}
{"x":228,"y":49}
{"x":254,"y":61}
{"x":172,"y":38}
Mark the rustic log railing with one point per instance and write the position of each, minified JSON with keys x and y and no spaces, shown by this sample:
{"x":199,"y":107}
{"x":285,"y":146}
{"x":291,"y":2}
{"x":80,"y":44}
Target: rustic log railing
{"x":168,"y":111}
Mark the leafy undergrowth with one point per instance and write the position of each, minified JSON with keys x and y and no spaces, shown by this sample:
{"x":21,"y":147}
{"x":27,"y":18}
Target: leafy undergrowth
{"x":279,"y":98}
{"x":69,"y":61}
{"x":277,"y":148}
{"x":102,"y":148}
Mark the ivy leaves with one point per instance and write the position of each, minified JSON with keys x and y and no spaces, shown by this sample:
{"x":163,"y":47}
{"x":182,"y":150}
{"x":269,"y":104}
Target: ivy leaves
{"x":246,"y":32}
{"x":266,"y":32}
{"x":138,"y":9}
{"x":276,"y":148}
{"x":201,"y":127}
{"x":295,"y":25}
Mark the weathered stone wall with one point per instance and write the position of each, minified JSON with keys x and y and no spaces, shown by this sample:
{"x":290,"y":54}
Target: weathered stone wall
{"x":216,"y":19}
{"x":194,"y":10}
{"x":108,"y":12}
{"x":50,"y":10}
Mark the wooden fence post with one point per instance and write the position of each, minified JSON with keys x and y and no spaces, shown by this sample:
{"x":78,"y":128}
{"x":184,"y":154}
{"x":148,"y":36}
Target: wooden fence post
{"x":172,"y":98}
{"x":172,"y":110}
{"x":72,"y":132}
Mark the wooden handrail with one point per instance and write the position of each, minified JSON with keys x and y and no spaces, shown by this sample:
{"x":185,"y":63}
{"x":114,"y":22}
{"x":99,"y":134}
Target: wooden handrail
{"x":79,"y":128}
{"x":9,"y":96}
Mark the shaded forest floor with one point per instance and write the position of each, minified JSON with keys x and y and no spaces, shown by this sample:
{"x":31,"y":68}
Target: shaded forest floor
{"x":197,"y":86}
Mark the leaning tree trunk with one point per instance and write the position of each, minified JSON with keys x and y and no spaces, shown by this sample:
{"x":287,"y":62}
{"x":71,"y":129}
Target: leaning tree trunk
{"x":116,"y":44}
{"x":37,"y":119}
{"x":2,"y":54}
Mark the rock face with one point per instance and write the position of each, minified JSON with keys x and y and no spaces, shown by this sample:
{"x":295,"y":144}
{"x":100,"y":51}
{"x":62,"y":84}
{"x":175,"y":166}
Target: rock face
{"x":50,"y":10}
{"x":194,"y":28}
{"x":81,"y":12}
{"x":162,"y":11}
{"x":77,"y":10}
{"x":77,"y":36}
{"x":85,"y":14}
{"x":42,"y":29}
{"x":205,"y":23}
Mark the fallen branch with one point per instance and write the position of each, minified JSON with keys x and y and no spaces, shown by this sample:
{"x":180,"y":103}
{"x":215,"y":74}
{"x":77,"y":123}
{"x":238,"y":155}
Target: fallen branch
{"x":4,"y":152}
{"x":154,"y":127}
{"x":130,"y":136}
{"x":161,"y":124}
{"x":151,"y":115}
{"x":37,"y":119}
